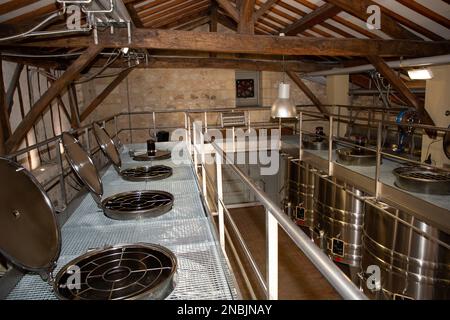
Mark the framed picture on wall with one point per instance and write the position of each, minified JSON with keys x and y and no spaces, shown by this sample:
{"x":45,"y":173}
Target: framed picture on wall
{"x":247,"y":88}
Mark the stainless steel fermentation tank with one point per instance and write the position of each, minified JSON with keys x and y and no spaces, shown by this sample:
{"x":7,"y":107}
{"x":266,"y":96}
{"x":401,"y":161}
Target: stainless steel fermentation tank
{"x":338,"y":217}
{"x":300,"y":192}
{"x":412,"y":266}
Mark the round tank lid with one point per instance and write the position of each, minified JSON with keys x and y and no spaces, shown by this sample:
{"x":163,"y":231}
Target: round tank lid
{"x":107,"y":145}
{"x":29,"y":233}
{"x":82,"y":164}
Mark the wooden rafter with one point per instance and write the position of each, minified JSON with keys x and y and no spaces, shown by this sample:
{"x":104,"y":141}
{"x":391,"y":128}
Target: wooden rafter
{"x":358,"y":8}
{"x":12,"y":87}
{"x":239,"y":43}
{"x":14,"y":5}
{"x":246,"y":24}
{"x":105,"y":93}
{"x":364,"y":31}
{"x":319,"y":15}
{"x":186,"y":8}
{"x":5,"y":125}
{"x":430,"y":14}
{"x":229,"y":9}
{"x":401,"y":88}
{"x":45,"y":100}
{"x":263,"y":9}
{"x":304,"y":88}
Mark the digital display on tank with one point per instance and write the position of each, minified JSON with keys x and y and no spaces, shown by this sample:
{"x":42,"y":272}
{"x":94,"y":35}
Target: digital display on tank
{"x":338,"y":247}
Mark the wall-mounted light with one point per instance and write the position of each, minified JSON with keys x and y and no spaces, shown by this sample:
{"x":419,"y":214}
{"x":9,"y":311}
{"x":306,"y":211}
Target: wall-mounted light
{"x":283,"y":106}
{"x":420,"y":74}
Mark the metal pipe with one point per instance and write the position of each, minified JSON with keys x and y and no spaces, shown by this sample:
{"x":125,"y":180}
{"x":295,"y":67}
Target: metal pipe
{"x":331,"y":272}
{"x":419,"y":62}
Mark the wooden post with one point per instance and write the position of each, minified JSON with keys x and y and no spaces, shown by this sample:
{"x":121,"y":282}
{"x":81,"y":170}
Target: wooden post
{"x":246,"y":23}
{"x":102,"y":96}
{"x":45,"y":100}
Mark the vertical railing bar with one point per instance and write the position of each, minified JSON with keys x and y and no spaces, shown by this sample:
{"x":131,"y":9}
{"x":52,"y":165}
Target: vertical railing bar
{"x":220,"y":200}
{"x":272,"y":256}
{"x":330,"y":147}
{"x":378,"y":165}
{"x":62,"y":182}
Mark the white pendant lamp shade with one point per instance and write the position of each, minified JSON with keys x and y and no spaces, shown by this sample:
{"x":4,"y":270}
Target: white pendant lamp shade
{"x":283,"y":107}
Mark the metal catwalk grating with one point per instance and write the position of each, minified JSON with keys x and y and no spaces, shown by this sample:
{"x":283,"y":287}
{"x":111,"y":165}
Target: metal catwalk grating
{"x":203,"y":272}
{"x":185,"y":207}
{"x":200,"y":275}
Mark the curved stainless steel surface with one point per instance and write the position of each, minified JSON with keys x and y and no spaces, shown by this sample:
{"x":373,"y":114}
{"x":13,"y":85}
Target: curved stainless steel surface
{"x":107,"y":145}
{"x":82,"y":164}
{"x":339,"y":214}
{"x":135,"y":205}
{"x":311,"y":143}
{"x":343,"y":285}
{"x":30,"y":236}
{"x":147,"y":173}
{"x":412,"y":266}
{"x":423,"y":179}
{"x":158,"y":155}
{"x":122,"y":272}
{"x":353,"y":157}
{"x":301,"y":193}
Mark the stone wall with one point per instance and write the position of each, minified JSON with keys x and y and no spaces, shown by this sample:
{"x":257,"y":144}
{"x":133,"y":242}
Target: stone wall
{"x":163,"y":89}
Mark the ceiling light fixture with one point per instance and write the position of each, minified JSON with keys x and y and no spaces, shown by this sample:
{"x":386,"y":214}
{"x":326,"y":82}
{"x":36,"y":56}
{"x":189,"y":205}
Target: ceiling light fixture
{"x":125,"y":50}
{"x":420,"y":74}
{"x":283,"y":106}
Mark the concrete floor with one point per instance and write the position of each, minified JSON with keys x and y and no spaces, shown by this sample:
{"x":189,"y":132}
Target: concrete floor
{"x":298,"y":278}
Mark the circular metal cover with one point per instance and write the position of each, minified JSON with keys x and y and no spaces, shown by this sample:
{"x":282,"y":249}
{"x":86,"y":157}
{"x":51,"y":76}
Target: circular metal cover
{"x":82,"y":164}
{"x":137,"y":205}
{"x":107,"y":145}
{"x":158,"y":155}
{"x":146,"y":173}
{"x":423,"y":179}
{"x":29,"y":232}
{"x":447,"y":144}
{"x":126,"y":272}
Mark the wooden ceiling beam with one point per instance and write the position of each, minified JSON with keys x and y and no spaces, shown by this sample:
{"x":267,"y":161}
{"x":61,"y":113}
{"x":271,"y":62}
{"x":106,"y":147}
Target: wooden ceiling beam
{"x":240,"y":43}
{"x":231,"y":10}
{"x":430,"y":14}
{"x":5,"y":125}
{"x":358,"y":8}
{"x":185,"y":9}
{"x":263,"y":9}
{"x":161,"y":10}
{"x":13,"y":86}
{"x":224,"y":63}
{"x":246,"y":24}
{"x":45,"y":100}
{"x":304,"y":88}
{"x":398,"y":84}
{"x":308,"y":21}
{"x":14,"y":5}
{"x":104,"y":94}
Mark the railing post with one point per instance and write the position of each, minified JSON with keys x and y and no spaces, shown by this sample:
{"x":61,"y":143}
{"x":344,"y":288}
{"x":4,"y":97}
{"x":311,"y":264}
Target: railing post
{"x":203,"y":162}
{"x":62,"y":183}
{"x":206,"y":122}
{"x":220,"y":200}
{"x":379,"y":157}
{"x":154,"y":124}
{"x":300,"y":136}
{"x":88,"y":143}
{"x":195,"y":148}
{"x":330,"y":148}
{"x":272,"y":256}
{"x":186,"y":128}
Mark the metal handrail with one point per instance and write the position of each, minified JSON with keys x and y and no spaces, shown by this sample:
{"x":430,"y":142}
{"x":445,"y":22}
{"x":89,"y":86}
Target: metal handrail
{"x":343,"y":285}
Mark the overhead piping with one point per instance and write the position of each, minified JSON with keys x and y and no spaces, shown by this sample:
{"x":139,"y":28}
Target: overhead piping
{"x":419,"y":62}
